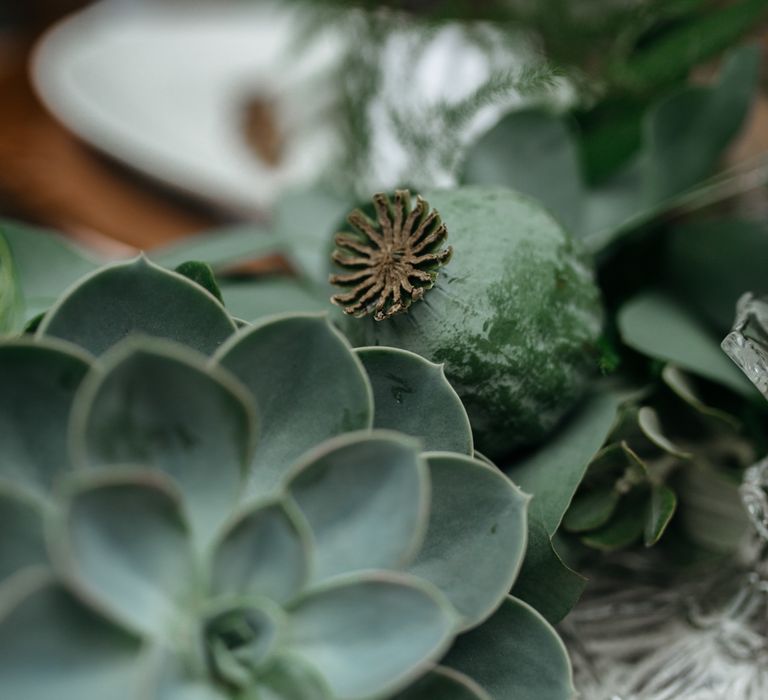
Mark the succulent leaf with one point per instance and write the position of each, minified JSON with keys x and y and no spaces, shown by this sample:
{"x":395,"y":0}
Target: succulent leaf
{"x":155,"y":404}
{"x":348,"y":490}
{"x":371,"y":634}
{"x":123,"y":541}
{"x":23,"y":541}
{"x":308,"y":387}
{"x":80,"y":655}
{"x":476,"y":537}
{"x":38,"y":381}
{"x":137,"y":297}
{"x":535,"y":666}
{"x":290,"y":678}
{"x":445,"y":684}
{"x":264,"y":552}
{"x":413,"y":396}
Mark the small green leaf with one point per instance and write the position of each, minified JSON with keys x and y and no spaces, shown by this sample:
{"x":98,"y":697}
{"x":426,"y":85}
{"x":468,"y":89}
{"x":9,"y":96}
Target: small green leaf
{"x":46,"y":264}
{"x":348,"y":487}
{"x":658,"y":326}
{"x":264,"y":552}
{"x":10,"y":293}
{"x":444,"y":684}
{"x":137,"y":297}
{"x":39,"y":381}
{"x":650,"y":425}
{"x":624,"y":529}
{"x":476,"y":536}
{"x":202,"y":274}
{"x":123,"y":541}
{"x":534,"y":666}
{"x":52,"y":646}
{"x":412,"y":395}
{"x":331,"y":629}
{"x":661,"y":508}
{"x":290,"y":678}
{"x":591,"y":510}
{"x":682,"y":385}
{"x":155,"y":404}
{"x":308,"y":385}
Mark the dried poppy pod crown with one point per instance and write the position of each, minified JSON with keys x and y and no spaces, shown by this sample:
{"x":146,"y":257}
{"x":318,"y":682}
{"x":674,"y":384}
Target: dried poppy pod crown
{"x":392,"y":261}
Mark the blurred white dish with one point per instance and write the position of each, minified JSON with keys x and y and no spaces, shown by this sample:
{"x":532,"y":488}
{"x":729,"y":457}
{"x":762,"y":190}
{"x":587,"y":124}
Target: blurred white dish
{"x":163,"y":87}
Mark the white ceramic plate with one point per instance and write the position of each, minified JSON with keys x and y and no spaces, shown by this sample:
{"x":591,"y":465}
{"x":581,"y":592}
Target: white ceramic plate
{"x":162,"y":86}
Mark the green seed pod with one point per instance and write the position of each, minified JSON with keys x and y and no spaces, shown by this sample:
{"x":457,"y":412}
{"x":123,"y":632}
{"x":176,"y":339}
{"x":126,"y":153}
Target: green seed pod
{"x":511,"y":309}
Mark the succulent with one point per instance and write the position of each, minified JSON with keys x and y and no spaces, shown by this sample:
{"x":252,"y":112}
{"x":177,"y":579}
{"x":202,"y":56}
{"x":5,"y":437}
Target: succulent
{"x":192,"y":511}
{"x":515,"y":315}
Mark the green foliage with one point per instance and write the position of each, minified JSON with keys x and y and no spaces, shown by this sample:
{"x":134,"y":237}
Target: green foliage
{"x":248,"y":523}
{"x":10,"y":296}
{"x":683,"y":136}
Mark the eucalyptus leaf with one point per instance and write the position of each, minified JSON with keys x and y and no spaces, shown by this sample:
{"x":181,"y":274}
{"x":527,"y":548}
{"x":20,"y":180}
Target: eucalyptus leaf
{"x":413,"y":396}
{"x":220,"y":248}
{"x":308,"y":387}
{"x":650,"y":425}
{"x":11,"y":303}
{"x":661,"y":508}
{"x":683,"y":386}
{"x":476,"y":537}
{"x":265,"y":551}
{"x":53,"y":646}
{"x":123,"y":541}
{"x":624,"y":529}
{"x":347,"y":487}
{"x":710,"y":264}
{"x":536,"y":664}
{"x":591,"y":510}
{"x":552,"y":475}
{"x":256,"y":299}
{"x":137,"y":297}
{"x":39,"y":381}
{"x":331,"y":630}
{"x":657,"y":325}
{"x":153,"y":403}
{"x":46,"y":264}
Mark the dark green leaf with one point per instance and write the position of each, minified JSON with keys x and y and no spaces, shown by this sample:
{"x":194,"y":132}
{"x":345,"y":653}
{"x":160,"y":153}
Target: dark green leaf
{"x":661,"y":508}
{"x":590,"y":510}
{"x":201,"y":273}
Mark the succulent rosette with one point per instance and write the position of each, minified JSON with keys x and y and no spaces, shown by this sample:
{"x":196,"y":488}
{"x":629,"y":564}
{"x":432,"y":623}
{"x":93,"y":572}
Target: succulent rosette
{"x":193,"y":511}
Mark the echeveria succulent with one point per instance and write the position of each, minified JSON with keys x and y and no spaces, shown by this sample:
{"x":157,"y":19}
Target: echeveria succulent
{"x":194,"y":512}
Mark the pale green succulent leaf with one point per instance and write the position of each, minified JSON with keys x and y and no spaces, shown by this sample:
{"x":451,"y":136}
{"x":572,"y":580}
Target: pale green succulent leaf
{"x":308,"y":386}
{"x":365,"y":497}
{"x":53,"y":646}
{"x":137,"y":297}
{"x":552,"y":475}
{"x":122,"y":540}
{"x":650,"y":425}
{"x":290,"y":678}
{"x":656,"y":325}
{"x":515,"y":654}
{"x":265,"y":551}
{"x":683,"y":386}
{"x":476,"y":536}
{"x":444,"y":684}
{"x":38,"y":382}
{"x":156,"y":404}
{"x":22,"y":544}
{"x":371,"y":634}
{"x":413,"y":396}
